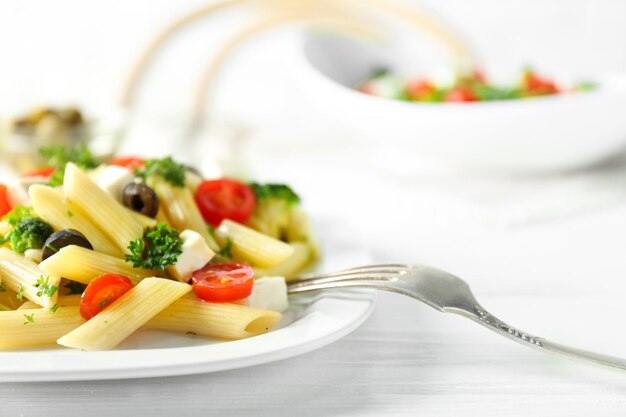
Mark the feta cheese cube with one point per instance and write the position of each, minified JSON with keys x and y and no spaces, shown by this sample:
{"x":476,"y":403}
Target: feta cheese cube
{"x":113,"y":179}
{"x":196,"y":254}
{"x":269,"y":293}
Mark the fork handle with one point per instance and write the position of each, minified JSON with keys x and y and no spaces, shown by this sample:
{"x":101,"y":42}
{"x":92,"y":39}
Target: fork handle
{"x":481,"y":316}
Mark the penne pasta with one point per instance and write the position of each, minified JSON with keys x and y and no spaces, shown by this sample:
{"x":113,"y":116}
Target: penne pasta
{"x":292,"y":266}
{"x":181,"y":210}
{"x":82,"y":265}
{"x":51,"y":206}
{"x":36,"y":327}
{"x":63,"y":301}
{"x":111,"y":217}
{"x":223,"y":320}
{"x":128,"y":313}
{"x":249,"y":245}
{"x":24,"y":277}
{"x":145,"y":221}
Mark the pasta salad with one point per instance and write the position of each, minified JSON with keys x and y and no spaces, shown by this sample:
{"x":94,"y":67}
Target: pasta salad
{"x":92,"y":252}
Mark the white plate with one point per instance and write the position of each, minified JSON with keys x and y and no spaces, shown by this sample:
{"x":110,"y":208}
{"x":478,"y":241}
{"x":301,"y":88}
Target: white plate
{"x":311,"y":322}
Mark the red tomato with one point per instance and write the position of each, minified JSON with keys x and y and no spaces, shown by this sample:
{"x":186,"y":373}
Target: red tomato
{"x":40,"y":172}
{"x":420,"y":89}
{"x":461,"y":95}
{"x":130,"y":162}
{"x":535,"y":85}
{"x":223,"y":282}
{"x":101,"y":292}
{"x":225,"y":199}
{"x":5,"y":206}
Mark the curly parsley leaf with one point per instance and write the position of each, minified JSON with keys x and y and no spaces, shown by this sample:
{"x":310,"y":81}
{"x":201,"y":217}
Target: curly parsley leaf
{"x":20,"y":293}
{"x":44,"y":289}
{"x":159,"y":248}
{"x":170,"y":170}
{"x":59,"y":156}
{"x":227,"y":249}
{"x":17,"y":214}
{"x":30,"y":318}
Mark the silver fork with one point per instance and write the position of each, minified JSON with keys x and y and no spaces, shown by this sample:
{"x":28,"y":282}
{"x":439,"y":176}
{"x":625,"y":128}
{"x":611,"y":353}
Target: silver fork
{"x":444,"y":292}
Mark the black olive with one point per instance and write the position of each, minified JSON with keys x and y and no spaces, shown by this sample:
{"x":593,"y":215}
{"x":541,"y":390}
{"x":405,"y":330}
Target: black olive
{"x":141,"y":198}
{"x":63,"y":238}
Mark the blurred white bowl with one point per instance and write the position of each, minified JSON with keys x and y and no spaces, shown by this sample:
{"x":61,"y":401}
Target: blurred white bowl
{"x":551,"y":133}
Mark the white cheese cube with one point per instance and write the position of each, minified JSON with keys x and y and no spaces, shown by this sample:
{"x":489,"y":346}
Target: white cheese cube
{"x":196,"y":254}
{"x":113,"y":179}
{"x":269,"y":293}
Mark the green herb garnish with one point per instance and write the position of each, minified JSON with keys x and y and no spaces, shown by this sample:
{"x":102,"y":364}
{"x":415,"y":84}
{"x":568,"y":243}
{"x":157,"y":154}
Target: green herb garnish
{"x":54,"y":309}
{"x":20,"y":293}
{"x":19,"y":213}
{"x":158,"y":249}
{"x":59,"y":156}
{"x":30,"y":318}
{"x":44,"y":288}
{"x":3,"y":287}
{"x":170,"y":170}
{"x":227,"y":249}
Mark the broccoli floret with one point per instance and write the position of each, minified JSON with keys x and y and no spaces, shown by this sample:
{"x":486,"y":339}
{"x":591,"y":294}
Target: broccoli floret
{"x":272,"y":212}
{"x":277,"y":192}
{"x":30,"y":233}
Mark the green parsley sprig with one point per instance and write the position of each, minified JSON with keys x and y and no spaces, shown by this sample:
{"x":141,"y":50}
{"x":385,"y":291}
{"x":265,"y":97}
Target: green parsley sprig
{"x":30,"y":318}
{"x":170,"y":170}
{"x":159,"y":248}
{"x":59,"y":156}
{"x":44,"y":288}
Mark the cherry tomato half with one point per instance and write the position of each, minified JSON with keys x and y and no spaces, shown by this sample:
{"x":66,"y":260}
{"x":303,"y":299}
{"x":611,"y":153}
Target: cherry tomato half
{"x":461,"y":95}
{"x":420,"y":90}
{"x":225,"y":199}
{"x":223,"y":282}
{"x":40,"y":172}
{"x":534,"y":85}
{"x":101,"y":292}
{"x":130,"y":162}
{"x":5,"y":206}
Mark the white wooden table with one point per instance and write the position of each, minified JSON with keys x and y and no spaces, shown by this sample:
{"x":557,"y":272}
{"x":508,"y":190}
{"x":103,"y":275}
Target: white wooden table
{"x":563,"y":280}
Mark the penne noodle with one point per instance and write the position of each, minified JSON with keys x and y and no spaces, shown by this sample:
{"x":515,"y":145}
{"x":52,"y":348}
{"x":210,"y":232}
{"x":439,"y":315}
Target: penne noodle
{"x":104,"y":211}
{"x":63,"y":301}
{"x":181,"y":210}
{"x":8,"y":297}
{"x":36,"y":327}
{"x":128,"y":313}
{"x":145,"y":221}
{"x":24,"y":277}
{"x":223,"y":320}
{"x":249,"y":245}
{"x":82,"y":265}
{"x":291,"y":267}
{"x":50,"y":205}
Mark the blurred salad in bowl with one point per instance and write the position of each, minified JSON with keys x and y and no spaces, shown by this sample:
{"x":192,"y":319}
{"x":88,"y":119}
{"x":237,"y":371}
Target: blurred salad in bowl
{"x":472,"y":87}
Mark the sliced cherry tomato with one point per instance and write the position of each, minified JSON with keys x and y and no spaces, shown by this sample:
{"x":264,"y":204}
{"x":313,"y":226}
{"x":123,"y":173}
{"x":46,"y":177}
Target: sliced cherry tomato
{"x":534,"y":85}
{"x":130,"y":162}
{"x":5,"y":206}
{"x":40,"y":172}
{"x":223,"y":282}
{"x":225,"y":199}
{"x":420,"y":90}
{"x":101,"y":292}
{"x":461,"y":95}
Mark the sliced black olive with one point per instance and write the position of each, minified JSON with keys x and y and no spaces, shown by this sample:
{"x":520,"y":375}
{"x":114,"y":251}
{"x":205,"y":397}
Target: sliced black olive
{"x":141,"y":198}
{"x":63,"y":238}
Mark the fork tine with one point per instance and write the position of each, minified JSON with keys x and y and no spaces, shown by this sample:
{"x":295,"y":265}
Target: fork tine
{"x":375,"y":275}
{"x":370,"y":269}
